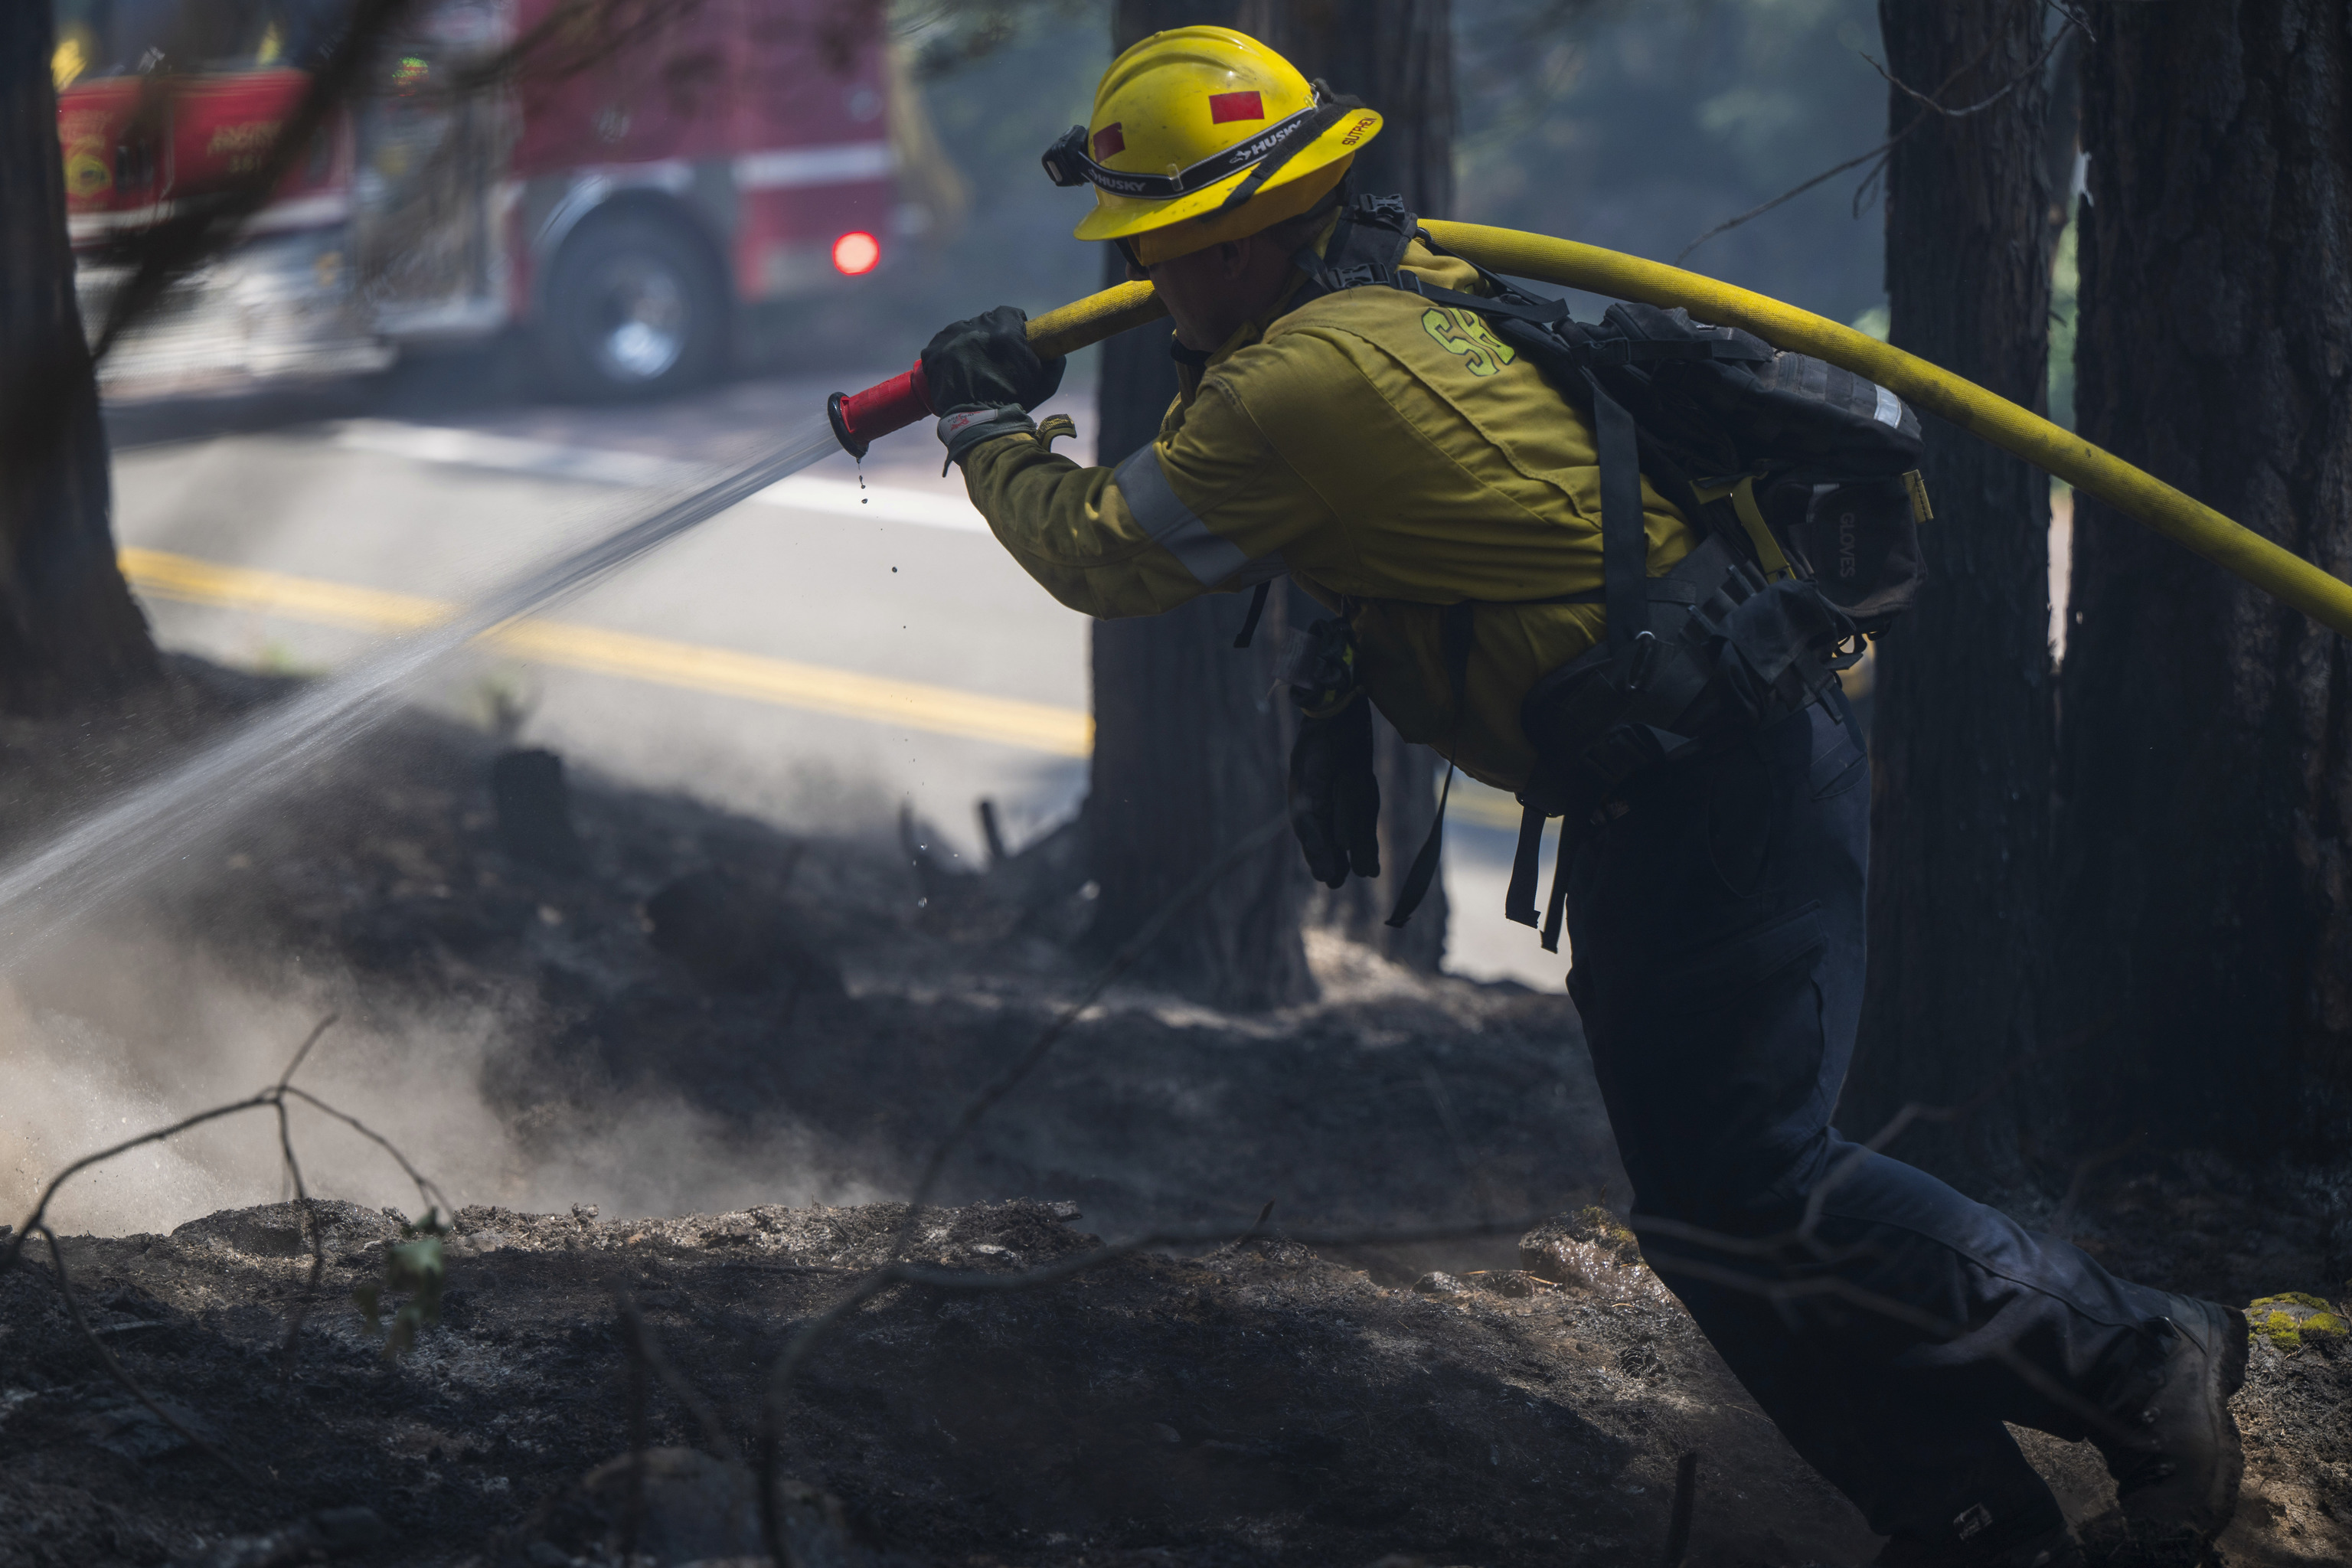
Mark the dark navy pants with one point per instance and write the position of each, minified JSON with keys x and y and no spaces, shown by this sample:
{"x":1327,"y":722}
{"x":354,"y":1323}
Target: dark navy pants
{"x":1717,"y":930}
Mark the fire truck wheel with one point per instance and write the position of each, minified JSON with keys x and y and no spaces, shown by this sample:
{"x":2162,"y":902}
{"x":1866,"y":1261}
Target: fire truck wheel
{"x":633,"y":309}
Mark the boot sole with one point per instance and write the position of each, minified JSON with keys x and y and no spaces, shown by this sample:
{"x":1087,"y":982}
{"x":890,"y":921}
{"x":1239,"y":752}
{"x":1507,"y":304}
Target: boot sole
{"x":2225,"y":1373}
{"x":2228,"y":1371}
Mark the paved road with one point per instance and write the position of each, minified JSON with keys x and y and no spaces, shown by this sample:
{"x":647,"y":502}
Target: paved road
{"x":815,"y":656}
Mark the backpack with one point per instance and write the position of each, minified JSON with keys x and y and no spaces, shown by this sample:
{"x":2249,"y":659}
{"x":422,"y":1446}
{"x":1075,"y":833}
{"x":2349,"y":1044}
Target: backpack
{"x":1801,"y":478}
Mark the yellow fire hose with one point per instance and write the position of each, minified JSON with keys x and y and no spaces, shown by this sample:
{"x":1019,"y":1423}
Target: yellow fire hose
{"x":2279,"y":573}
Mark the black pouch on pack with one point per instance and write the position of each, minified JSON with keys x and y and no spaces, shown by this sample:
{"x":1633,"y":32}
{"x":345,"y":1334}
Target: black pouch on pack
{"x":1860,"y":544}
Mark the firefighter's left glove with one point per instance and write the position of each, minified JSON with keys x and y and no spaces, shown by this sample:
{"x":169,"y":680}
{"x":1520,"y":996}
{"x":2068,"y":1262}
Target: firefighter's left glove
{"x":983,"y":378}
{"x":1335,"y":800}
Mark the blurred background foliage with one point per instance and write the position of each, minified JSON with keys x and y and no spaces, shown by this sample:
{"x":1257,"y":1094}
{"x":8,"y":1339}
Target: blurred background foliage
{"x":1639,"y":126}
{"x":1635,"y":124}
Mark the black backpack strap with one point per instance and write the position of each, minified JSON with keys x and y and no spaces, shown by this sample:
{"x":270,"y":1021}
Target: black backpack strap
{"x":1519,"y":899}
{"x":1457,"y":630}
{"x":1624,"y":541}
{"x":1256,"y":609}
{"x":1555,"y":907}
{"x":1365,"y":246}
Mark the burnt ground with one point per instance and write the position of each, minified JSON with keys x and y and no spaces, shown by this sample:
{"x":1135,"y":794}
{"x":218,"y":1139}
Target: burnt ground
{"x":1249,"y":1401}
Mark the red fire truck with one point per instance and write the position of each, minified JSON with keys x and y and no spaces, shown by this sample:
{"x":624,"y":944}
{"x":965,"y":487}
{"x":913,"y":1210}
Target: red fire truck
{"x":619,"y":177}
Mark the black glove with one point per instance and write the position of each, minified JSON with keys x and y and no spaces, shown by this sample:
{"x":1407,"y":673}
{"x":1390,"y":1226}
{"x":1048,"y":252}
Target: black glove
{"x":1335,"y":801}
{"x":987,"y":362}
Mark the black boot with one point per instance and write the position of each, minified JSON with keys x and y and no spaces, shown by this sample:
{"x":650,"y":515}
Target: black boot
{"x":2178,"y":1465}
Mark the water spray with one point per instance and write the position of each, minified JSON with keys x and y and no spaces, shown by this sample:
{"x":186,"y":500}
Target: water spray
{"x":104,"y":853}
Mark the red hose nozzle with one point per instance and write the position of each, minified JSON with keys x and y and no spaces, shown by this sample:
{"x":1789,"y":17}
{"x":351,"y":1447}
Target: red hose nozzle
{"x":860,"y":418}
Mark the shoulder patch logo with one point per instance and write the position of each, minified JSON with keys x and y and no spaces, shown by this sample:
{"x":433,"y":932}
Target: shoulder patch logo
{"x":1465,"y":333}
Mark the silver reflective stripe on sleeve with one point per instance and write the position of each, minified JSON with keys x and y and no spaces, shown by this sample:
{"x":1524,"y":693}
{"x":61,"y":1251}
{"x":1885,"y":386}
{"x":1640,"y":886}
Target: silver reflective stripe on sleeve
{"x":1890,"y":408}
{"x":1171,"y":524}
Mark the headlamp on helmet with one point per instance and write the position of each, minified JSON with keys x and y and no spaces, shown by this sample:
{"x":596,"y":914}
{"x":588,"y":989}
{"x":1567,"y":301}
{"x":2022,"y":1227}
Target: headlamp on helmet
{"x":1066,"y":160}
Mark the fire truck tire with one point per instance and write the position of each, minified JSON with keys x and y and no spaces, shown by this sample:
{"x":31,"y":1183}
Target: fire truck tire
{"x":633,"y":309}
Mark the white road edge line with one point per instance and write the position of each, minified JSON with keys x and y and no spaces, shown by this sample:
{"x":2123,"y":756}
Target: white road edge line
{"x":516,"y":455}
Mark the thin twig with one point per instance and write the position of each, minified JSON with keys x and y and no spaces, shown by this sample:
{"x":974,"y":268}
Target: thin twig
{"x":41,"y":1205}
{"x":633,"y":1513}
{"x":646,"y":1344}
{"x":1914,"y":1110}
{"x":1792,"y":193}
{"x":1887,"y":147}
{"x":1121,"y":962}
{"x":2028,"y":74}
{"x":311,"y":1232}
{"x":2081,"y":21}
{"x":1678,"y":1521}
{"x":274,"y":1100}
{"x":425,"y":1187}
{"x":316,"y":1035}
{"x":130,"y":1384}
{"x":1837,"y":1288}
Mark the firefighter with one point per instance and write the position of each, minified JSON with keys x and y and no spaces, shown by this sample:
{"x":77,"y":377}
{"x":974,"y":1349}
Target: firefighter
{"x":1403,"y":467}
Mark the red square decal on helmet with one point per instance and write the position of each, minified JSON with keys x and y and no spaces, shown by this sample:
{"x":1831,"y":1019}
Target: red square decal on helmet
{"x":1224,"y":106}
{"x":1110,"y":142}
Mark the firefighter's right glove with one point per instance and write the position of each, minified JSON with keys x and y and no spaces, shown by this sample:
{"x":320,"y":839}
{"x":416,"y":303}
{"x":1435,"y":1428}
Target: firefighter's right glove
{"x":1335,"y":800}
{"x":983,"y":377}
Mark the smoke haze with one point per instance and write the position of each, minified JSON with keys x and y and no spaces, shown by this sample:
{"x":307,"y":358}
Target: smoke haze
{"x":118,"y":1033}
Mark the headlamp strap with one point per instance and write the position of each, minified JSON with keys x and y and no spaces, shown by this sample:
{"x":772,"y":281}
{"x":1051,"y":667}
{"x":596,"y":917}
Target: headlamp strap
{"x":1067,"y":164}
{"x":1294,"y":136}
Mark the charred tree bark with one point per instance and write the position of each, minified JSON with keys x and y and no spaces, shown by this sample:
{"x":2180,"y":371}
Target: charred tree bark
{"x":1963,"y":724}
{"x":69,"y":632}
{"x":1398,"y":57}
{"x":1189,"y":755}
{"x":2206,"y":746}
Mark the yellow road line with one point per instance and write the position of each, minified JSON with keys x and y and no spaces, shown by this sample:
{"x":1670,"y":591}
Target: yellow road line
{"x":194,"y":581}
{"x":815,"y":688}
{"x":1489,"y":808}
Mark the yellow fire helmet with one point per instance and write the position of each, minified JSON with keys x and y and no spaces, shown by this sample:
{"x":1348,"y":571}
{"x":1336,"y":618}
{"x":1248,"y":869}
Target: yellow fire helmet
{"x":1204,"y":134}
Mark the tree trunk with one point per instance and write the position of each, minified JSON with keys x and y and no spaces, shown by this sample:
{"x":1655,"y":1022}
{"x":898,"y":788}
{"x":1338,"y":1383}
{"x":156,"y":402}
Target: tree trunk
{"x":1398,"y":57}
{"x":1190,"y":755}
{"x":2206,"y":760}
{"x":69,"y":631}
{"x":1962,"y":728}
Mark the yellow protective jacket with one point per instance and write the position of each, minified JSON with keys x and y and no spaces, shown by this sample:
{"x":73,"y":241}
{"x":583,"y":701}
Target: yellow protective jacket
{"x":1394,"y":458}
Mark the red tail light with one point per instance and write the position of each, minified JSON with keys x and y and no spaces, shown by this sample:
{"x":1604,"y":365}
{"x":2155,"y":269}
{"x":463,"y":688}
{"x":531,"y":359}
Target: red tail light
{"x":857,"y":252}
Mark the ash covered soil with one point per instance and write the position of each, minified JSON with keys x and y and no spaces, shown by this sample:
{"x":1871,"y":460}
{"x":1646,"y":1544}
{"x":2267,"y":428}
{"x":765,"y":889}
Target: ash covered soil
{"x":1490,"y":1399}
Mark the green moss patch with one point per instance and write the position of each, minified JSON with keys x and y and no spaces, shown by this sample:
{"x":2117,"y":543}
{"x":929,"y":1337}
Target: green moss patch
{"x":2294,"y":1317}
